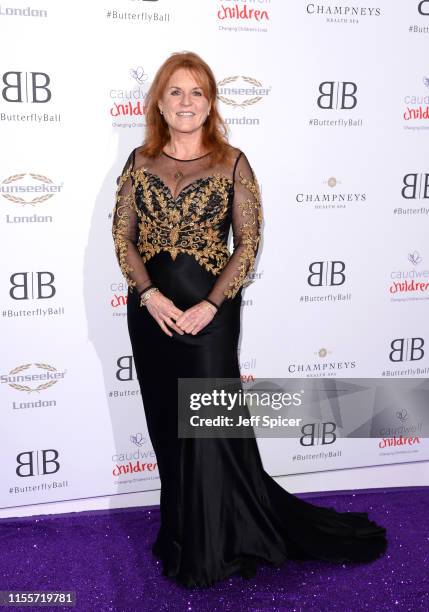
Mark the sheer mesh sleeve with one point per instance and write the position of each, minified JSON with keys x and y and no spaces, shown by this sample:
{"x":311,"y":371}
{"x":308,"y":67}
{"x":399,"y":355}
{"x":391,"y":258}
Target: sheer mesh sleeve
{"x":125,"y":232}
{"x":246,"y":227}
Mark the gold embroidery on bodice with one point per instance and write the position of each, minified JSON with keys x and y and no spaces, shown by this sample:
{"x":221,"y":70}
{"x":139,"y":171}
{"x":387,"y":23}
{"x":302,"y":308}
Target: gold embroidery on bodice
{"x":148,"y":220}
{"x":193,"y":223}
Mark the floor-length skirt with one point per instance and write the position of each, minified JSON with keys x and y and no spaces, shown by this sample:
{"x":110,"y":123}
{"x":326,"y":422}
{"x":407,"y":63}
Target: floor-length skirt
{"x":221,"y":513}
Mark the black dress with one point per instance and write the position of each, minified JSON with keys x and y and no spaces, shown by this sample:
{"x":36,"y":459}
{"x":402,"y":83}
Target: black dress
{"x":221,"y":513}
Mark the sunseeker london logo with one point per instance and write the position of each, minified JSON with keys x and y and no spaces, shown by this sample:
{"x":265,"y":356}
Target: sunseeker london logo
{"x":35,"y":384}
{"x":27,"y":11}
{"x":242,"y":96}
{"x":25,"y":191}
{"x":243,"y":15}
{"x":32,"y":377}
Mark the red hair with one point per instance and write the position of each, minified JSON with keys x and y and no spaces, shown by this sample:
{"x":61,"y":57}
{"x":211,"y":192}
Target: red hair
{"x":215,"y":131}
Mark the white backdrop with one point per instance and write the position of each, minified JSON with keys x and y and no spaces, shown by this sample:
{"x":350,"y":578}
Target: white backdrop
{"x":329,"y":101}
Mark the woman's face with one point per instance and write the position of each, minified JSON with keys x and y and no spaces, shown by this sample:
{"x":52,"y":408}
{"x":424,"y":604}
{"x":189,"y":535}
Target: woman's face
{"x":184,"y":105}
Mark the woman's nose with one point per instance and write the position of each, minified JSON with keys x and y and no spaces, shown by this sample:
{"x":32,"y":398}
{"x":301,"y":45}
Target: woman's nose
{"x":186,"y":100}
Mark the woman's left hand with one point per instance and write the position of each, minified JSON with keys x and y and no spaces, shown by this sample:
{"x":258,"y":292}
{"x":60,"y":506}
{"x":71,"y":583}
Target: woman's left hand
{"x":196,"y":318}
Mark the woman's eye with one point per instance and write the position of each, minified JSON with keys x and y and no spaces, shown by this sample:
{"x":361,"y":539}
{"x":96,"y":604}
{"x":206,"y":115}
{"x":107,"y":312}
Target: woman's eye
{"x":198,"y":93}
{"x":175,"y":92}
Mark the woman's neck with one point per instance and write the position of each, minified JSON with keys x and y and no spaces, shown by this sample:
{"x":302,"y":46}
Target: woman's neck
{"x":185,"y":146}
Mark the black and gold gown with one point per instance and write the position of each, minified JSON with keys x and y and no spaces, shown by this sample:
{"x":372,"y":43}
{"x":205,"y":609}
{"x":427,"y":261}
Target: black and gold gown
{"x":221,"y":513}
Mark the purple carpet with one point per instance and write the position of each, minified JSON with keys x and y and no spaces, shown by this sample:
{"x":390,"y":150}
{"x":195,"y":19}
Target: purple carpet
{"x":105,"y":557}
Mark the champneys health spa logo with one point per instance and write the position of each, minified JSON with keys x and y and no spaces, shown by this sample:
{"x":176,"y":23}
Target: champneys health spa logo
{"x":127,"y":108}
{"x":341,"y":12}
{"x":28,"y":189}
{"x":326,"y":274}
{"x":9,"y":11}
{"x":25,"y":95}
{"x":243,"y":15}
{"x":332,"y":197}
{"x":410,"y":284}
{"x":242,"y":93}
{"x":416,"y":105}
{"x":323,"y":365}
{"x":340,"y":100}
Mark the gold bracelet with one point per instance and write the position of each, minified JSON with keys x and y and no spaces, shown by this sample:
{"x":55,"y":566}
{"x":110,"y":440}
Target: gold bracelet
{"x":146,"y":295}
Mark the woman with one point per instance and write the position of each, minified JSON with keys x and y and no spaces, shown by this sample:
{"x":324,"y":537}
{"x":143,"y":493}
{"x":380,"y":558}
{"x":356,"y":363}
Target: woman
{"x":177,"y":198}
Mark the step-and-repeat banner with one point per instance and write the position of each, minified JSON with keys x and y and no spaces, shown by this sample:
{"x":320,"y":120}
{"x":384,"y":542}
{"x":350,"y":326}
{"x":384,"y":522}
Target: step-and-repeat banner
{"x":330,"y":102}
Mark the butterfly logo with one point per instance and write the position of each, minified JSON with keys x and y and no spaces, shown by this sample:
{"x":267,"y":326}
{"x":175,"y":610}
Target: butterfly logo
{"x":137,"y":439}
{"x":402,"y":414}
{"x":139,"y":75}
{"x":414,"y":258}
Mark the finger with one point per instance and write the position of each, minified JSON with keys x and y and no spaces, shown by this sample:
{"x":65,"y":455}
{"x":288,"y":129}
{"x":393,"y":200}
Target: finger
{"x":164,"y":328}
{"x":173,"y":314}
{"x":199,"y":326}
{"x":171,"y":324}
{"x":189,"y":326}
{"x":176,"y":312}
{"x":194,"y":323}
{"x":183,"y":320}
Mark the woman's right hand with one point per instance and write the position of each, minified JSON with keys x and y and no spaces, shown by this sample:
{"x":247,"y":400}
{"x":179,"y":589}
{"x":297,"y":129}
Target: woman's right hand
{"x":164,"y":311}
